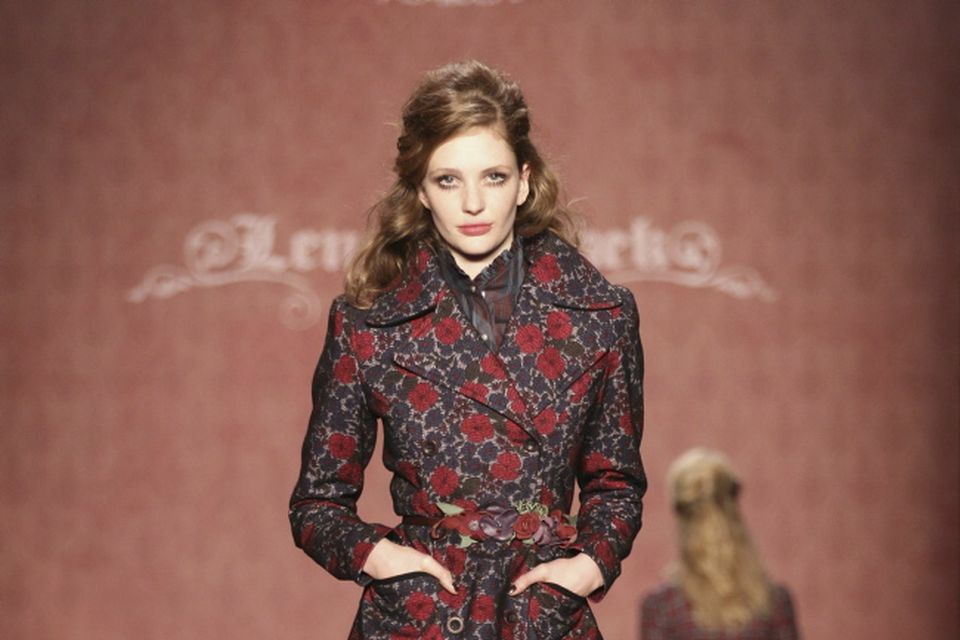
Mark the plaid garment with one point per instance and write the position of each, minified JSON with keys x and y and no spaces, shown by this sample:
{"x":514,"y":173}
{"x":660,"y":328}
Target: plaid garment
{"x":667,"y":616}
{"x":488,"y":299}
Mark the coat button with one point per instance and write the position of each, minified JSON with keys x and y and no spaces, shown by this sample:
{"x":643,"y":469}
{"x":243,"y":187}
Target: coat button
{"x":429,"y":447}
{"x":512,"y":617}
{"x":530,"y":445}
{"x":455,"y":624}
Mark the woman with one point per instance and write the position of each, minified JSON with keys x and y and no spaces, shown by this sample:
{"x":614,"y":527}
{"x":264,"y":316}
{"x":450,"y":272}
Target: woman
{"x":502,"y":366}
{"x":720,"y":590}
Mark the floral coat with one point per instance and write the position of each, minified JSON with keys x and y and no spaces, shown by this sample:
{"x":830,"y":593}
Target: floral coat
{"x":561,"y":401}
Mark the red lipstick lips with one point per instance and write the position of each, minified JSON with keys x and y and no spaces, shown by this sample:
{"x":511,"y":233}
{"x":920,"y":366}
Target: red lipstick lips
{"x":474,"y":229}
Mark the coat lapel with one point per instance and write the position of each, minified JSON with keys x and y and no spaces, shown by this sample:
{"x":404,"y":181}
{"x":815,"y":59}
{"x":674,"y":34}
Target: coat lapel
{"x":553,"y":337}
{"x":556,"y":333}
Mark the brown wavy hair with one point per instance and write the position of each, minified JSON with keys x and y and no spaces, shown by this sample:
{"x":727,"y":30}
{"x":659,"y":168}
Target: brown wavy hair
{"x":719,"y":570}
{"x":449,"y":101}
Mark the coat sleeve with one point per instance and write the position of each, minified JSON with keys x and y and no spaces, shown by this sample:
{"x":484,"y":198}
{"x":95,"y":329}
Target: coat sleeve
{"x":340,"y":439}
{"x":609,"y":471}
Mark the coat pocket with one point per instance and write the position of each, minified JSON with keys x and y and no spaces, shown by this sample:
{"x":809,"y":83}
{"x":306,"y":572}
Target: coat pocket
{"x":559,"y":612}
{"x":403,"y":603}
{"x":563,"y":593}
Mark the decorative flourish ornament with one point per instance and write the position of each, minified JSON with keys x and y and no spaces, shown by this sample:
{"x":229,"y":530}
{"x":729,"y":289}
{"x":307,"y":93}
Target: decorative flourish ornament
{"x":244,"y":250}
{"x":689,"y":255}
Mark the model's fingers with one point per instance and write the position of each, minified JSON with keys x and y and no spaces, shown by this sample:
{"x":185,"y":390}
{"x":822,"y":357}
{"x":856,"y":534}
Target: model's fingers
{"x":440,"y":572}
{"x":537,"y":574}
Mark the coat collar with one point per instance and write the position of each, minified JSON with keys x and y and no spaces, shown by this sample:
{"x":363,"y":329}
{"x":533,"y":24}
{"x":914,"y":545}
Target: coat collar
{"x":558,"y":273}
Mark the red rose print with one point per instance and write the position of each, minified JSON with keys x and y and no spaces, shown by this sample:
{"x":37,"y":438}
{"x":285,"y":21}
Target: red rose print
{"x":534,"y":608}
{"x":407,"y":471}
{"x":595,"y":462}
{"x":626,"y":424}
{"x":476,"y":427}
{"x":405,"y":633}
{"x":432,"y":633}
{"x":551,"y":363}
{"x":360,"y":552}
{"x":615,"y":313}
{"x":579,"y":388}
{"x":621,"y":526}
{"x":345,"y":369}
{"x":474,"y":390}
{"x":419,"y":605}
{"x":613,"y":361}
{"x":492,"y":366}
{"x":558,"y":325}
{"x":362,"y":344}
{"x":306,"y":534}
{"x":338,"y":323}
{"x":546,"y":421}
{"x":566,"y":532}
{"x":546,"y":268}
{"x":614,"y":482}
{"x":380,"y":403}
{"x":423,"y":396}
{"x":605,"y":553}
{"x":423,"y":259}
{"x":517,"y":404}
{"x":350,"y":473}
{"x":529,"y":338}
{"x":526,"y":525}
{"x":483,"y":608}
{"x":447,"y":330}
{"x":547,"y":496}
{"x":410,"y":292}
{"x":515,"y":433}
{"x":420,"y":326}
{"x":341,"y":445}
{"x":456,"y":560}
{"x":453,"y":600}
{"x":444,"y":481}
{"x":423,"y":504}
{"x":507,"y":466}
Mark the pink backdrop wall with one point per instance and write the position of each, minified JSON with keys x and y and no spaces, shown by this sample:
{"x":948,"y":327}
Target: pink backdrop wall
{"x":801,"y":155}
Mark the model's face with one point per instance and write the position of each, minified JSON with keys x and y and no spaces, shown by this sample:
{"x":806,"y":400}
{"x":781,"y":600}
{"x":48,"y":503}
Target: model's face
{"x":472,"y":188}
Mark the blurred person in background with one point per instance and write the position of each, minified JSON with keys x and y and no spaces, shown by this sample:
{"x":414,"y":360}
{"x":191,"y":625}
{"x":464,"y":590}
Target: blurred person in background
{"x":719,"y":589}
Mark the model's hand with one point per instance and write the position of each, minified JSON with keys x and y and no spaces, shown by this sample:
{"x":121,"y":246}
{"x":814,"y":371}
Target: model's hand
{"x":579,"y":574}
{"x":389,"y":559}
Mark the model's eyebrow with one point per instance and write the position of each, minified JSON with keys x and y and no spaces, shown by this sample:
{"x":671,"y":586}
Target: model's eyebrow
{"x":444,"y":170}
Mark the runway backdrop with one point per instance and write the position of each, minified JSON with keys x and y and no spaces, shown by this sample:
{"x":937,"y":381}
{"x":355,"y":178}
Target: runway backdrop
{"x":775,"y":181}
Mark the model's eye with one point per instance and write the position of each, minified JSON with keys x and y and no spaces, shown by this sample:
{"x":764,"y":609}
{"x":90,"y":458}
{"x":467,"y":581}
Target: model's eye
{"x":497,"y":177}
{"x":445,"y":181}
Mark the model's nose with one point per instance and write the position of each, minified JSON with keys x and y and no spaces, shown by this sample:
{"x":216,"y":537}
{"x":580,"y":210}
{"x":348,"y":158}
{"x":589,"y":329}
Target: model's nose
{"x":472,"y":199}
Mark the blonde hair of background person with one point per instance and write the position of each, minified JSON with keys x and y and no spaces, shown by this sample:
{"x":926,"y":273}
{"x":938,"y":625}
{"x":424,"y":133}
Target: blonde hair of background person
{"x":721,"y":579}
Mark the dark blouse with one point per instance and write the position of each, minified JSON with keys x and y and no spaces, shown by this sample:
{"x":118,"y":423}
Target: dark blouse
{"x":667,"y":615}
{"x":488,"y":299}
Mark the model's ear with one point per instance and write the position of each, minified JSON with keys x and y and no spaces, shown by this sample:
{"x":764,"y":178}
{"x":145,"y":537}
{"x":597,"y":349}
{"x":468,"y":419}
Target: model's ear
{"x":524,"y":190}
